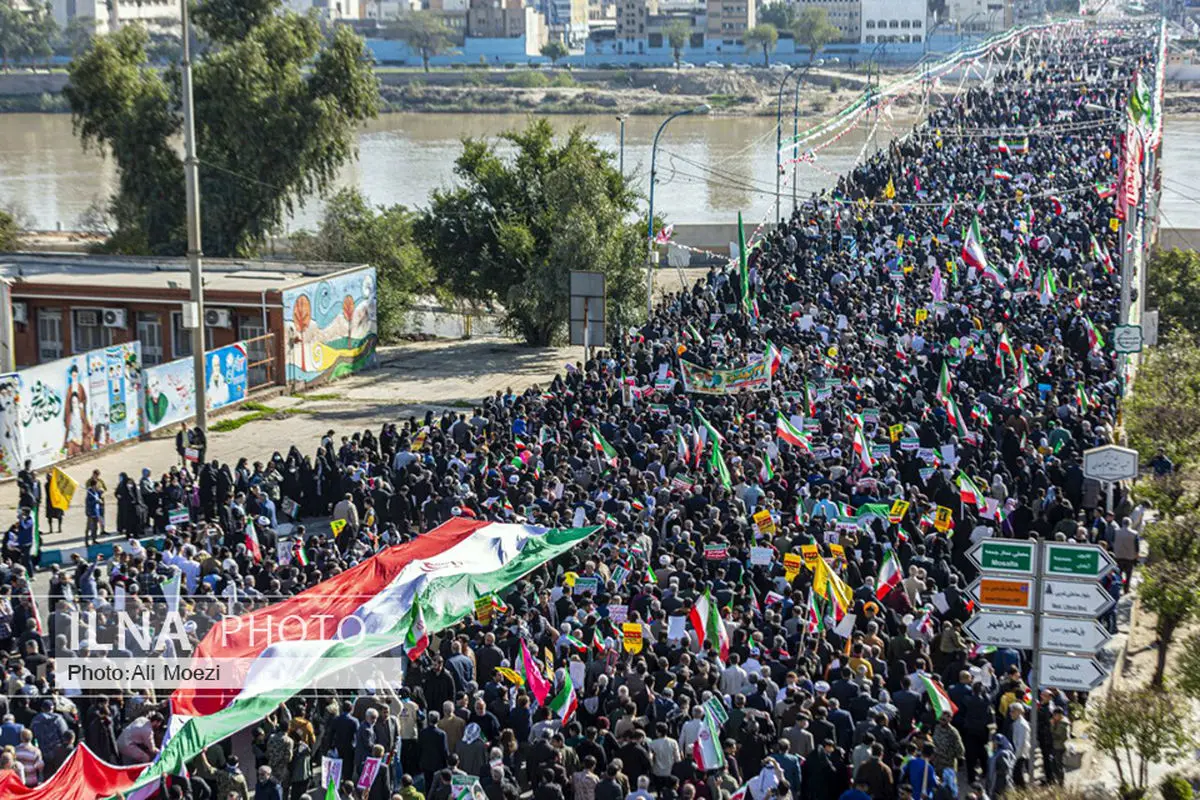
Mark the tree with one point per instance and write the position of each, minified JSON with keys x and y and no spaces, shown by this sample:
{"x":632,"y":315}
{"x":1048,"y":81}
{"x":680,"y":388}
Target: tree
{"x":1169,"y":591}
{"x":678,"y":33}
{"x":1163,"y":410}
{"x":424,"y":32}
{"x":301,"y":95}
{"x":764,"y":36}
{"x":814,"y":30}
{"x":12,"y":33}
{"x":781,"y":15}
{"x":1138,"y":728}
{"x":77,"y":36}
{"x":352,"y":231}
{"x":554,"y":50}
{"x":1187,"y":675}
{"x":516,"y":225}
{"x":10,"y":232}
{"x":1173,"y":287}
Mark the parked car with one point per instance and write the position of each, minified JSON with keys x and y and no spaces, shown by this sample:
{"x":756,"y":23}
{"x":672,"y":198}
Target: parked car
{"x":686,"y":65}
{"x":714,"y":65}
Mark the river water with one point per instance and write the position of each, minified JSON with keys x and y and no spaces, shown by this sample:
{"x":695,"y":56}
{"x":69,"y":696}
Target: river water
{"x":709,"y":168}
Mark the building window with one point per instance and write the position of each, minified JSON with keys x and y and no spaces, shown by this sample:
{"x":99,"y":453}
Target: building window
{"x":149,"y":333}
{"x":656,"y":40}
{"x":49,"y":327}
{"x":181,"y":337}
{"x":870,"y":24}
{"x":894,"y":23}
{"x":89,"y":332}
{"x":870,"y":38}
{"x":916,"y":23}
{"x":904,"y":23}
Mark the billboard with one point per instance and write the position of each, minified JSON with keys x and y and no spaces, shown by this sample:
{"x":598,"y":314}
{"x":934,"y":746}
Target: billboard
{"x":170,"y":395}
{"x":70,"y":407}
{"x":330,"y":326}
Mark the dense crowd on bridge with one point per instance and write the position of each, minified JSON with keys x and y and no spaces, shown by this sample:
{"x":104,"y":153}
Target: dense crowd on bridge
{"x":849,"y":677}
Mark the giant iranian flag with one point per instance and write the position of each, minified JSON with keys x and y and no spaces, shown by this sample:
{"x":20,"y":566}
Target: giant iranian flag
{"x":448,"y":569}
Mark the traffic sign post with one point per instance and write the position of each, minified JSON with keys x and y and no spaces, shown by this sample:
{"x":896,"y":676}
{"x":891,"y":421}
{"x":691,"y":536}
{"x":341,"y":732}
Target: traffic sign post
{"x":1002,"y":630}
{"x":1004,"y":555}
{"x":1127,"y":338}
{"x":1109,"y":464}
{"x":1080,"y":673}
{"x":1072,"y":635}
{"x":1064,"y":560}
{"x":1015,"y":594}
{"x":1085,"y":599}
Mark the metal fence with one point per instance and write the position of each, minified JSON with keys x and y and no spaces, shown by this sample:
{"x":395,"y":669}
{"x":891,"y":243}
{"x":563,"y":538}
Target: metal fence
{"x":260,"y":362}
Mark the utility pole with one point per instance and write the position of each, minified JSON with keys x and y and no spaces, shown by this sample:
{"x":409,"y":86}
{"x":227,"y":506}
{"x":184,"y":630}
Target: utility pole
{"x":194,"y":248}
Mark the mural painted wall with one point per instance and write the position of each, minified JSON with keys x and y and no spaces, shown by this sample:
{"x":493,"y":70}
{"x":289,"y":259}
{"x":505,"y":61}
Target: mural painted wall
{"x":330,"y":327}
{"x":71,"y":406}
{"x":170,"y":395}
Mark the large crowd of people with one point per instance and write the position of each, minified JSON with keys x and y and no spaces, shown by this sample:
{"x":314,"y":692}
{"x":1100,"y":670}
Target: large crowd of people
{"x":904,"y":371}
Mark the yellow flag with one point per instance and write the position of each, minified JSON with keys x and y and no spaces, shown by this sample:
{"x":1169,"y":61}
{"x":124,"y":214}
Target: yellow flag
{"x":889,"y":191}
{"x":826,"y":581}
{"x":510,"y":675}
{"x":62,"y":489}
{"x":337,"y":525}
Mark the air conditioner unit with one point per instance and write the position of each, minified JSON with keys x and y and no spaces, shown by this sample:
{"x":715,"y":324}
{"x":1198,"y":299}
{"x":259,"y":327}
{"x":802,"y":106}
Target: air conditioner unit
{"x":113,"y":317}
{"x":20,"y":313}
{"x":218,"y":318}
{"x":87,"y":318}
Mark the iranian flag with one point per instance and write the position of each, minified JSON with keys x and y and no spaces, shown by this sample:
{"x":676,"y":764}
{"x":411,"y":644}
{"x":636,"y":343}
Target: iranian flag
{"x":968,"y":492}
{"x":1004,"y":348}
{"x":565,"y":702}
{"x":954,"y":414}
{"x":603,"y":447}
{"x":889,"y":575}
{"x":706,"y":750}
{"x":710,"y":628}
{"x":300,"y":553}
{"x":252,"y":541}
{"x":716,"y":466}
{"x":1021,"y":271}
{"x":944,"y":384}
{"x":681,"y":447}
{"x":973,"y":254}
{"x":1001,"y":174}
{"x":814,"y":616}
{"x":773,"y":357}
{"x":1002,"y":147}
{"x":417,"y":638}
{"x":448,"y":569}
{"x":785,"y":430}
{"x":938,"y":698}
{"x":863,"y":450}
{"x":1056,"y":204}
{"x":947,"y":214}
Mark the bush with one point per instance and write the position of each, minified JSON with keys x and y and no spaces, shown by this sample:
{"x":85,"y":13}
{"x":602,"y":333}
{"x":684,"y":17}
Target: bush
{"x":526,"y":79}
{"x":1175,"y":787}
{"x":834,"y":86}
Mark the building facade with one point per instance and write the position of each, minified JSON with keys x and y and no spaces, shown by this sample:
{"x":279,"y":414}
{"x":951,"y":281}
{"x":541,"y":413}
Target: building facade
{"x":979,"y":16}
{"x":887,"y":21}
{"x":728,"y":21}
{"x":845,"y":15}
{"x":633,"y":20}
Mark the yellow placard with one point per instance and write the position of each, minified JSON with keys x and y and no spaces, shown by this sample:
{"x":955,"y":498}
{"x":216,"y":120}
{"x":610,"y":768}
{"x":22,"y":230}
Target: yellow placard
{"x":337,"y":526}
{"x":632,"y":633}
{"x":1114,"y":224}
{"x":898,"y":510}
{"x":838,"y":552}
{"x":811,"y":555}
{"x":764,"y":522}
{"x":62,"y":489}
{"x":943,"y":519}
{"x":1020,"y":195}
{"x":792,"y":562}
{"x":569,"y":579}
{"x":896,"y":431}
{"x":512,"y":676}
{"x":483,"y":610}
{"x":900,"y":242}
{"x":921,"y":315}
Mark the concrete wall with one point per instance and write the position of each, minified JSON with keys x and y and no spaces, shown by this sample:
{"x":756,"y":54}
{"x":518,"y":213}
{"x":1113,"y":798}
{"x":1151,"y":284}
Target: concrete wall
{"x":14,"y":84}
{"x":1179,"y":238}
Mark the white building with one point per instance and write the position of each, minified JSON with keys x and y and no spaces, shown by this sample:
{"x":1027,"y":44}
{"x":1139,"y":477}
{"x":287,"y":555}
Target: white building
{"x":110,"y":15}
{"x":893,"y":21}
{"x":845,"y":15}
{"x":980,"y":16}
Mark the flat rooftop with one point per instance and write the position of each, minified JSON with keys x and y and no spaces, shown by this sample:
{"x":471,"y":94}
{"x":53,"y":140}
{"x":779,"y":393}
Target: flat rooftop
{"x":153,"y":273}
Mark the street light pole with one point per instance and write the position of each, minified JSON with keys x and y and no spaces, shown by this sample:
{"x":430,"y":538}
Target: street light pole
{"x":194,"y":246}
{"x":700,"y":109}
{"x":820,"y":62}
{"x":779,"y":134}
{"x":621,"y":159}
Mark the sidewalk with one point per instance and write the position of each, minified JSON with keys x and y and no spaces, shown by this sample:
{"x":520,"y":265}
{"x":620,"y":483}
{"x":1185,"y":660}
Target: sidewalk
{"x":410,"y":380}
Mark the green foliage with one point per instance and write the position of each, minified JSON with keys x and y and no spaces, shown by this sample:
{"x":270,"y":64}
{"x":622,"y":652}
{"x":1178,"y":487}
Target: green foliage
{"x":1175,"y":787}
{"x":301,"y":96}
{"x":27,"y":35}
{"x":1187,"y":673}
{"x":1169,"y":590}
{"x":77,"y":36}
{"x":781,"y":15}
{"x":764,"y":36}
{"x":10,"y":232}
{"x":677,"y":34}
{"x":554,"y":50}
{"x":814,"y":30}
{"x":515,"y":226}
{"x":352,"y":231}
{"x":1173,"y":287}
{"x":1138,"y":728}
{"x":424,"y":32}
{"x":1164,"y":407}
{"x":527,"y":79}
